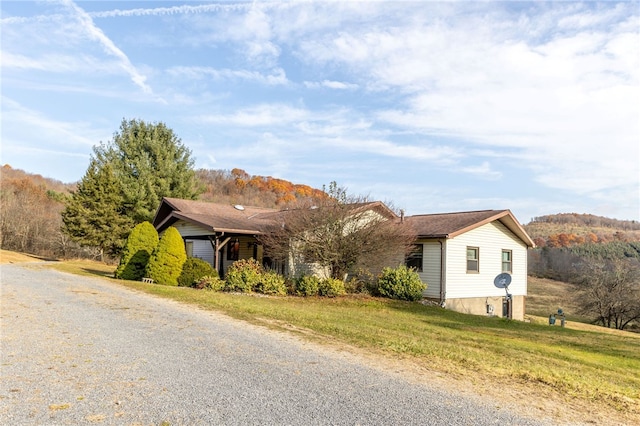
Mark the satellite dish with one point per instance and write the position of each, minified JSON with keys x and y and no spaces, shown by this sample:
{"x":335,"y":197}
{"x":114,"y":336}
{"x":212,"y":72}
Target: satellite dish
{"x":239,"y":207}
{"x":502,"y":280}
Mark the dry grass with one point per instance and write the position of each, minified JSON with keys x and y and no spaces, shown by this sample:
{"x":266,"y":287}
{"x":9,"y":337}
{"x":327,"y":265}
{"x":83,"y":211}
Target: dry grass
{"x":14,"y":257}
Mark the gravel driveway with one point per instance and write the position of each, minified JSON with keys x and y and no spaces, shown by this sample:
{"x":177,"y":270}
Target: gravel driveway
{"x":79,"y":350}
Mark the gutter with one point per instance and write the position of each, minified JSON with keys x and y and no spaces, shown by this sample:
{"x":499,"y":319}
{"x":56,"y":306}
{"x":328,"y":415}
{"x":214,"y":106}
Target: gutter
{"x":443,"y":279}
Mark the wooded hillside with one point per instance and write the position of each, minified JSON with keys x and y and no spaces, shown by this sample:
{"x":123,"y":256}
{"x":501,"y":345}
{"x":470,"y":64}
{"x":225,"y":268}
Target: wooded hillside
{"x":570,"y":229}
{"x":30,"y":218}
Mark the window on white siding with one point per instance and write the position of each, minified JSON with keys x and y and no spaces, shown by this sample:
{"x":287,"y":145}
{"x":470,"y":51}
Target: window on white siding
{"x":188,"y":245}
{"x":473,"y":259}
{"x":414,"y":258}
{"x":507,"y":262}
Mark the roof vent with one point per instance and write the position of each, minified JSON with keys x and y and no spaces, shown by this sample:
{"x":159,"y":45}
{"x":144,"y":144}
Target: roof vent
{"x":239,"y":207}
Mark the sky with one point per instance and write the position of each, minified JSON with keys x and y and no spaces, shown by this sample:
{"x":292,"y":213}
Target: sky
{"x":429,"y":106}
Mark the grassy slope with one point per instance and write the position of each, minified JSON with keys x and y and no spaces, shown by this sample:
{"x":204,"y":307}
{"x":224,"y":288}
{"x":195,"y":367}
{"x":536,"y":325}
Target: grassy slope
{"x":574,"y":375}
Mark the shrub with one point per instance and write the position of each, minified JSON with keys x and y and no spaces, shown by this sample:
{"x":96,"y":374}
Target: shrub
{"x":141,"y":242}
{"x":307,"y":285}
{"x":165,"y":264}
{"x":243,"y":275}
{"x":271,"y":283}
{"x":210,"y":282}
{"x":194,"y":269}
{"x":331,"y":287}
{"x":400,"y":283}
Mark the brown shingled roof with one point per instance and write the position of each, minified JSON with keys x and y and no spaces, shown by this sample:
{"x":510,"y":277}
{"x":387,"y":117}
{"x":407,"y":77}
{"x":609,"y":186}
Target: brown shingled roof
{"x":449,"y":225}
{"x":217,"y":217}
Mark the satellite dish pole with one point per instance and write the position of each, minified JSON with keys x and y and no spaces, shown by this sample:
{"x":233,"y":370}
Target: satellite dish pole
{"x":502,"y":281}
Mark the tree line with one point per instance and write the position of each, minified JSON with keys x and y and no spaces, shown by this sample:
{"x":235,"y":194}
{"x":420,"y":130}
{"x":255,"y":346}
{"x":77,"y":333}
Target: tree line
{"x":588,"y":220}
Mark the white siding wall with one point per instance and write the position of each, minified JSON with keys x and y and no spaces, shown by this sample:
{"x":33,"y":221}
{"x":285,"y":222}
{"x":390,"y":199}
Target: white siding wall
{"x":431,"y":264}
{"x":202,"y":249}
{"x":491,"y":239}
{"x":190,"y":230}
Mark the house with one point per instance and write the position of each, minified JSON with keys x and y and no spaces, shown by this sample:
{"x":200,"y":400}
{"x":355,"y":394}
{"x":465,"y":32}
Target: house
{"x":459,"y":256}
{"x":217,"y":233}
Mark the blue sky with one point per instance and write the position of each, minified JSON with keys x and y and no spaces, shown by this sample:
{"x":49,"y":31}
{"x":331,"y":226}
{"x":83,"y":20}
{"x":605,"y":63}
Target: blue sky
{"x":431,"y":106}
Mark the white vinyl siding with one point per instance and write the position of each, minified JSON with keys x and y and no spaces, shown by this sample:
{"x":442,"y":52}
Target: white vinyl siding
{"x":431,"y":264}
{"x":491,"y":239}
{"x":187,"y":229}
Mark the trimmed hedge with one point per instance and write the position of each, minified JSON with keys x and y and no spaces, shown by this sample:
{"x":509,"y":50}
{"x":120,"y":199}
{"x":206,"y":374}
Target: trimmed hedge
{"x":141,"y":242}
{"x":307,"y":285}
{"x":243,"y":275}
{"x":165,"y":264}
{"x":401,"y":283}
{"x":193,"y":270}
{"x":331,"y":287}
{"x":271,"y":283}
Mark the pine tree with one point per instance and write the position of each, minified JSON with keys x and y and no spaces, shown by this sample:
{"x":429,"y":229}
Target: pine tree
{"x":93,"y":215}
{"x":137,"y":251}
{"x":150,"y":162}
{"x":165,"y":264}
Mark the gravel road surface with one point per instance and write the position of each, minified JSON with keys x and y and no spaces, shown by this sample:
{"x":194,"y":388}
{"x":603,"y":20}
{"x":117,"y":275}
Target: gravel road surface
{"x":78,"y":350}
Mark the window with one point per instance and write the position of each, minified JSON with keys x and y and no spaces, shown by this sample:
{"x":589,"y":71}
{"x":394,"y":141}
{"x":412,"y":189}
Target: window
{"x":506,"y":261}
{"x":414,"y":258}
{"x":188,"y":245}
{"x":473,"y":259}
{"x":233,"y":250}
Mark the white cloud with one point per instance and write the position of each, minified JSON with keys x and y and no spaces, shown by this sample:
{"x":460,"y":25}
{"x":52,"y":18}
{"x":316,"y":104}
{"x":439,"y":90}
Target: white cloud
{"x":276,"y":77}
{"x":330,"y":84}
{"x":260,"y":115}
{"x":95,"y":33}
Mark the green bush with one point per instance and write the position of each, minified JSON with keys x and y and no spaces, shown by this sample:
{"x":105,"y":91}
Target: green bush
{"x":194,"y":269}
{"x":212,"y":282}
{"x":400,"y":283}
{"x":141,"y":242}
{"x":243,"y":275}
{"x":307,"y":285}
{"x":331,"y":287}
{"x":271,"y":283}
{"x":165,"y":264}
{"x":361,"y":282}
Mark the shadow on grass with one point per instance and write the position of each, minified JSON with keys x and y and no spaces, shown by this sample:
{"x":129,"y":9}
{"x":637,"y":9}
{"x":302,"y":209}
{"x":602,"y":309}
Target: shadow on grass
{"x":99,"y":273}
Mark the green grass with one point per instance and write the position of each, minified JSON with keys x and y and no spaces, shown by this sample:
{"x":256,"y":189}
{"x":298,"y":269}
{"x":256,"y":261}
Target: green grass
{"x":582,"y":365}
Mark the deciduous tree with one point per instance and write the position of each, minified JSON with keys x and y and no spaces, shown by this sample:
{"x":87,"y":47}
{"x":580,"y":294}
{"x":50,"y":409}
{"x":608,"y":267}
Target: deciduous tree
{"x":341,"y":233}
{"x":611,"y":292}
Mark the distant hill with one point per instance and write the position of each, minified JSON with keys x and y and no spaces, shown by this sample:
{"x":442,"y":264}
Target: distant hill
{"x":571,"y":229}
{"x":221,"y":186}
{"x":17,"y":178}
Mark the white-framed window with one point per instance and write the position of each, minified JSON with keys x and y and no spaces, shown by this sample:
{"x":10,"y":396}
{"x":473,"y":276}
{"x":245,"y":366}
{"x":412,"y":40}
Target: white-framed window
{"x":507,"y":261}
{"x":473,"y":259}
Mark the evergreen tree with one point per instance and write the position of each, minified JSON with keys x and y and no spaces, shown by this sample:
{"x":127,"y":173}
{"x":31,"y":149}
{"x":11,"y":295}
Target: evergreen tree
{"x":137,"y":251}
{"x":165,"y":264}
{"x":150,"y":162}
{"x":94,"y":214}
